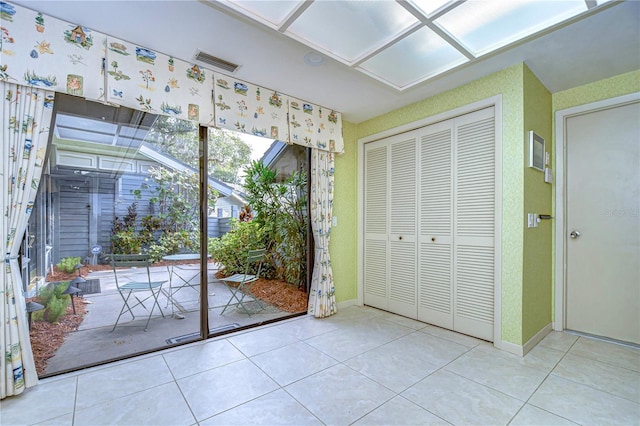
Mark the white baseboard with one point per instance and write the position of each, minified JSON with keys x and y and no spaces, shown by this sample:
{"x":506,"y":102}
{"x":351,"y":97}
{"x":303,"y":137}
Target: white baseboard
{"x":512,"y":348}
{"x":346,"y":303}
{"x":536,"y":338}
{"x":524,"y":349}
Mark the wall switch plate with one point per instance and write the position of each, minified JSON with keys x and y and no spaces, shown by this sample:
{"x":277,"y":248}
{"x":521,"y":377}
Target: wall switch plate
{"x":532,"y":220}
{"x":548,"y":175}
{"x":334,"y":221}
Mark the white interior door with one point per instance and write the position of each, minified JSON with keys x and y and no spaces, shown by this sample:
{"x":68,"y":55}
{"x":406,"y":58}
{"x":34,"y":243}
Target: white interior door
{"x":603,"y":217}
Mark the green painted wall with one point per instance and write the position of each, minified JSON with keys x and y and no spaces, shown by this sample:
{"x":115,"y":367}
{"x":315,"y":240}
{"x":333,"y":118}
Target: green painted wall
{"x":507,"y":83}
{"x":619,"y":85}
{"x":538,"y":242}
{"x":343,"y":243}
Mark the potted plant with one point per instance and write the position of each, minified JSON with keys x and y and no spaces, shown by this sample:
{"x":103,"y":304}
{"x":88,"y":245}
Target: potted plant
{"x":40,"y":23}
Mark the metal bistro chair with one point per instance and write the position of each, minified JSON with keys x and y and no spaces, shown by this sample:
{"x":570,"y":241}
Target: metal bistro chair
{"x":242,"y":283}
{"x":135,"y":288}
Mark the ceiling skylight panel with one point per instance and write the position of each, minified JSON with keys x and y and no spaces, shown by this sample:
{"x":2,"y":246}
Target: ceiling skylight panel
{"x":429,"y":6}
{"x":347,"y":30}
{"x":487,"y":25}
{"x":417,"y":57}
{"x":98,"y":126}
{"x":274,"y":12}
{"x":84,"y":135}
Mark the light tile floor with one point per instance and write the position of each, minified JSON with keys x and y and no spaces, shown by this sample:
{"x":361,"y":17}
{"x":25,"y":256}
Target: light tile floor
{"x":361,"y":366}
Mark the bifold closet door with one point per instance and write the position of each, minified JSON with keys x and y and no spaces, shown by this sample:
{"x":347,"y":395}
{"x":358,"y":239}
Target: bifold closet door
{"x":390,"y":224}
{"x":474,"y":223}
{"x":429,"y":244}
{"x":456,"y":258}
{"x":376,"y":190}
{"x":435,"y":241}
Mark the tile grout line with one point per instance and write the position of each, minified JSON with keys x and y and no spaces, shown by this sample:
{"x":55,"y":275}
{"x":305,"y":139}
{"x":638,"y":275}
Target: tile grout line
{"x":175,"y":381}
{"x":399,"y":394}
{"x":75,"y":402}
{"x":591,"y":360}
{"x":540,"y":385}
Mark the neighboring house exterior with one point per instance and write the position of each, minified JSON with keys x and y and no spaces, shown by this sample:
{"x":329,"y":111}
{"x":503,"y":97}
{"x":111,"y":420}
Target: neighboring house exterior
{"x":284,"y":158}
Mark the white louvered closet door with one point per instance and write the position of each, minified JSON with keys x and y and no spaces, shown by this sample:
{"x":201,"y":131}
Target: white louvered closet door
{"x":402,"y":225}
{"x":430,"y":201}
{"x":435,"y":217}
{"x":376,"y":191}
{"x":474,"y":224}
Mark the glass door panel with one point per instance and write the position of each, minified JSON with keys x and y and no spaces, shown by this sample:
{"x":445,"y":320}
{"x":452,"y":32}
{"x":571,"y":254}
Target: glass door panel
{"x":119,"y":182}
{"x":260,"y":203}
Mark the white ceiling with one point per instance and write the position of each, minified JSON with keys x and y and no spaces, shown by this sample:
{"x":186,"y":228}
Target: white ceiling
{"x":355,"y":77}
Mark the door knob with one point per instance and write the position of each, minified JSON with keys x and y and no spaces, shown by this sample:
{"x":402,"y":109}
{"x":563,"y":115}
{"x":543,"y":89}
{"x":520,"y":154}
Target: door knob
{"x":574,"y":234}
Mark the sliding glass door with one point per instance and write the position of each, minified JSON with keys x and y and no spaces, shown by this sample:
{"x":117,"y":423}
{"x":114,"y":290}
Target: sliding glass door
{"x":125,"y":255}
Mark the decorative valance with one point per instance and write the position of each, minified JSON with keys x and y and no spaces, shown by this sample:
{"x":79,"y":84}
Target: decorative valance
{"x":314,"y":126}
{"x":41,"y":51}
{"x":248,"y":108}
{"x":147,"y":80}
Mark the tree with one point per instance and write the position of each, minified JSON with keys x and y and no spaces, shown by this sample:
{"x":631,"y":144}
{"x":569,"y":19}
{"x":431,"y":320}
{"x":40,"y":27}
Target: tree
{"x":176,"y":137}
{"x":228,"y":154}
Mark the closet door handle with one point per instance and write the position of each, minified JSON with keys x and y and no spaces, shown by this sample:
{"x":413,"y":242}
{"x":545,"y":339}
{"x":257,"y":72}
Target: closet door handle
{"x":400,"y":237}
{"x":433,"y":239}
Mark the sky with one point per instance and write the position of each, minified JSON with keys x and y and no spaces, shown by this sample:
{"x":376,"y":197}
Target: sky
{"x":258,"y":144}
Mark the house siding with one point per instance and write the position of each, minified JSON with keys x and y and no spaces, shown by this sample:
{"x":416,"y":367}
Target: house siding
{"x":72,"y":227}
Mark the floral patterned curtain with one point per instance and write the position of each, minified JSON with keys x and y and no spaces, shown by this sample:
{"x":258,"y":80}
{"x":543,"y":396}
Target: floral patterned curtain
{"x":26,"y":114}
{"x":322,"y":299}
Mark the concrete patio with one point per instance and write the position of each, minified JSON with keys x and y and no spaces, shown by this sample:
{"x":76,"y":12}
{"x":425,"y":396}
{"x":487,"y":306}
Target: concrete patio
{"x":94,"y":342}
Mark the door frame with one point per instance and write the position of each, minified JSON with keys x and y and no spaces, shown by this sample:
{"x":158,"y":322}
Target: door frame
{"x":560,"y":155}
{"x":494,"y":101}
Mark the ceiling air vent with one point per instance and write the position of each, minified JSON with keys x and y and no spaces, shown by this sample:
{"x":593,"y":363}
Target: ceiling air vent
{"x":216,"y":62}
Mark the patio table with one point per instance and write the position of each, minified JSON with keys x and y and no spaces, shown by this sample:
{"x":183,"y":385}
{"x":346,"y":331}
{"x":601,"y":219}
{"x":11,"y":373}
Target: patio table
{"x":179,"y":280}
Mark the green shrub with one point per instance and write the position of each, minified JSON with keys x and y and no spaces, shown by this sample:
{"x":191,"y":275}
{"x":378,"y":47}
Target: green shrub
{"x":68,"y":264}
{"x":55,"y":303}
{"x":230,"y":250}
{"x":174,"y":242}
{"x":126,"y":242}
{"x":281,"y":211}
{"x":56,"y":309}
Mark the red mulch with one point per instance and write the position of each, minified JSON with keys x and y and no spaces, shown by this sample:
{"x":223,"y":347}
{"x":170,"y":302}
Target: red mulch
{"x":46,"y":338}
{"x":281,"y":294}
{"x":285,"y":296}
